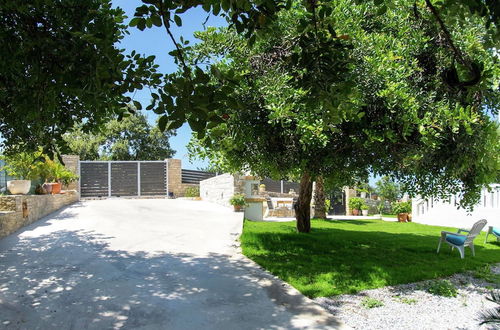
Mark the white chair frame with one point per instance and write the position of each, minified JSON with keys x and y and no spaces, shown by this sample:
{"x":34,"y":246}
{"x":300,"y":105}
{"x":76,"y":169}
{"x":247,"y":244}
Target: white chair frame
{"x":490,"y":231}
{"x":469,"y":238}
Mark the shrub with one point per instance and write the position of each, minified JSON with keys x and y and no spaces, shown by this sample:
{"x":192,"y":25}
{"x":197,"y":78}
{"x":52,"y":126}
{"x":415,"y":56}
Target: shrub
{"x":371,"y":302}
{"x":22,"y":165}
{"x":237,"y":199}
{"x":442,"y":288}
{"x":401,"y":207}
{"x":356,"y":203}
{"x":328,"y":204}
{"x":192,"y":192}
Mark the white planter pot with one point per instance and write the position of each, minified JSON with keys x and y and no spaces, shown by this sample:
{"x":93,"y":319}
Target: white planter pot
{"x":365,"y":212}
{"x":363,"y":194}
{"x":19,"y":187}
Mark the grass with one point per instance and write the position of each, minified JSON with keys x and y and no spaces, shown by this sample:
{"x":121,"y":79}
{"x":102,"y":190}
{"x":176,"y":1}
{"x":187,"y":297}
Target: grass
{"x":442,"y":288}
{"x":371,"y":303}
{"x":340,"y":257}
{"x":389,"y":215}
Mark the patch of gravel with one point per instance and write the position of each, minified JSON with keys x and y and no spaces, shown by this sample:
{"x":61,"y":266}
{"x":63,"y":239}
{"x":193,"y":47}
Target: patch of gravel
{"x":410,"y":306}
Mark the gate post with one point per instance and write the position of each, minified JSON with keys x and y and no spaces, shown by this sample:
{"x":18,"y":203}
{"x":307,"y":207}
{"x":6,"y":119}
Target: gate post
{"x":139,"y":179}
{"x":109,"y":179}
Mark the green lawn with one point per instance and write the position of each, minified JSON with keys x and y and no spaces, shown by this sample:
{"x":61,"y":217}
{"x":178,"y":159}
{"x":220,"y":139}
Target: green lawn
{"x":389,"y":215}
{"x":348,"y":256}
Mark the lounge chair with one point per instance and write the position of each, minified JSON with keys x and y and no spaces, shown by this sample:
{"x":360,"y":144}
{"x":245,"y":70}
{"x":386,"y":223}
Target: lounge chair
{"x":460,"y":241}
{"x":495,"y":231}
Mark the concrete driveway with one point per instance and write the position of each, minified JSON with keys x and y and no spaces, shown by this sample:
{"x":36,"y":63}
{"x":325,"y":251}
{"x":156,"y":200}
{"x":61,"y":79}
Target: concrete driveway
{"x":143,"y":264}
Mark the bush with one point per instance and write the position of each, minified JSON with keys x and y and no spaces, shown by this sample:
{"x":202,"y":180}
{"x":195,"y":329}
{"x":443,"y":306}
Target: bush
{"x":22,"y":165}
{"x":402,"y":207}
{"x":237,"y":199}
{"x":442,"y":288}
{"x":328,"y":204}
{"x":356,"y":203}
{"x":192,"y":192}
{"x":371,"y":302}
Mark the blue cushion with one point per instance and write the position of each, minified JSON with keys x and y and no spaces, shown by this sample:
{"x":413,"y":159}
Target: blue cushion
{"x":455,"y":239}
{"x":496,"y":231}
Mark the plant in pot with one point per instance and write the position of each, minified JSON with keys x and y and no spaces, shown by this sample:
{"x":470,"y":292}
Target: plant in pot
{"x":55,"y":175}
{"x":24,"y":167}
{"x":355,"y":204}
{"x":262,"y":188}
{"x":364,"y":209}
{"x":402,"y":209}
{"x":238,"y":202}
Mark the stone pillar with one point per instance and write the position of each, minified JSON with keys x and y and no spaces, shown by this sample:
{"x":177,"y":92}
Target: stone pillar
{"x":349,"y":192}
{"x":72,"y":163}
{"x":174,"y":172}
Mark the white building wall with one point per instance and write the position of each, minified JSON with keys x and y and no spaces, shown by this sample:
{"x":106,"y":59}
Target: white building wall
{"x":445,"y":213}
{"x":218,"y":189}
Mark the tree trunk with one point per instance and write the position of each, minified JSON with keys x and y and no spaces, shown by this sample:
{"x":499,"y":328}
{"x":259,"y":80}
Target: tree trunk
{"x":319,"y":199}
{"x":303,"y":205}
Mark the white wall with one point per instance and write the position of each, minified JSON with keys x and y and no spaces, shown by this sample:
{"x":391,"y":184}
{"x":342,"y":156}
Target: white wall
{"x":218,"y":189}
{"x":434,"y":212}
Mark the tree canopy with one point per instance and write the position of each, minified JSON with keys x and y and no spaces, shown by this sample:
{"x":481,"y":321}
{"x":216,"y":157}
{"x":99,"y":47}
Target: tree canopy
{"x":131,"y":138}
{"x":60,"y":64}
{"x":342,"y":90}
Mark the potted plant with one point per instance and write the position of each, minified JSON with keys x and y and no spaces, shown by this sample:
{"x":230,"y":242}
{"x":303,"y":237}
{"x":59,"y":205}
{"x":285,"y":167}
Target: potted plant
{"x":24,"y":167}
{"x":55,"y":175}
{"x":402,"y":209}
{"x":238,"y":202}
{"x":355,"y":204}
{"x":364,"y":209}
{"x":262,"y":188}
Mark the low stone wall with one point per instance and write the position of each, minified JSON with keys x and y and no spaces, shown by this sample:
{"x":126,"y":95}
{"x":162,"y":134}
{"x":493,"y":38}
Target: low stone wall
{"x":21,"y":210}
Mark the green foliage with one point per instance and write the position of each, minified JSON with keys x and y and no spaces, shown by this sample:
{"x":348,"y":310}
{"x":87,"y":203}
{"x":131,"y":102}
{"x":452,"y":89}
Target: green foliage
{"x":320,"y":264}
{"x":388,"y":189}
{"x":53,"y":171}
{"x":192,"y":192}
{"x":484,"y":272}
{"x":401,"y":207}
{"x":238,"y":200}
{"x":406,"y":300}
{"x":442,"y":288}
{"x":23,"y":165}
{"x":61,"y":63}
{"x":369,"y":302}
{"x":328,"y":204}
{"x":356,"y":203}
{"x":131,"y":138}
{"x":492,"y":316}
{"x":350,"y":92}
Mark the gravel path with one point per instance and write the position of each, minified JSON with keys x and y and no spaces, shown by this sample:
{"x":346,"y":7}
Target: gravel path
{"x":410,"y":306}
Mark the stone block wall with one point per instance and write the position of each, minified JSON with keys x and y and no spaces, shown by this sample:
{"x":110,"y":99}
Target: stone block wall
{"x":220,"y":189}
{"x":174,"y":172}
{"x":22,"y":210}
{"x":71,"y":162}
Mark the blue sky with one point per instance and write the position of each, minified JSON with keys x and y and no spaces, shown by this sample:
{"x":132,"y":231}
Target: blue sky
{"x":155,"y":41}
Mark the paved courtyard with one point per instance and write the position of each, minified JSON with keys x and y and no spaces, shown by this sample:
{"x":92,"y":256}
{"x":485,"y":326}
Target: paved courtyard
{"x":142,"y":264}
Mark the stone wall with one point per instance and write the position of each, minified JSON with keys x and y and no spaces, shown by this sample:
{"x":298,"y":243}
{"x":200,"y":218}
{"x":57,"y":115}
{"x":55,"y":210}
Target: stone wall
{"x":71,"y":162}
{"x":174,"y":172}
{"x":220,"y":189}
{"x":21,"y":210}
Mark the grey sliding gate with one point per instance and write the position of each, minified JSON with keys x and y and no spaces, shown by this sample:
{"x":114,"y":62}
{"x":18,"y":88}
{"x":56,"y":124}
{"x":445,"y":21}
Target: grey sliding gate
{"x":123,"y":178}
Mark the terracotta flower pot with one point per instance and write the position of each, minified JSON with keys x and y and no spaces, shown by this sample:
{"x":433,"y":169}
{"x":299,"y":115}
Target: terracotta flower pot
{"x":56,"y":187}
{"x":402,"y":217}
{"x":355,"y":212}
{"x":237,"y":208}
{"x":19,"y":187}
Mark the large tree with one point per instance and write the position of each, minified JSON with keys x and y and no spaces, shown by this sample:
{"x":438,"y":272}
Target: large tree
{"x":341,"y":90}
{"x":61,"y":64}
{"x":131,"y":138}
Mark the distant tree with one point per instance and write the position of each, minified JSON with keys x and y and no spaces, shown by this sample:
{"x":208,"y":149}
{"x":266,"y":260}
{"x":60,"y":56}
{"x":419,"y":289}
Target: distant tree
{"x":131,"y":138}
{"x":388,"y":189}
{"x":61,"y":64}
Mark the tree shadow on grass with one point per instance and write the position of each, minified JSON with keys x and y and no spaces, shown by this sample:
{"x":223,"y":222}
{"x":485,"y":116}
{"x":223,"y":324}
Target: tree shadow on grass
{"x":332,"y":261}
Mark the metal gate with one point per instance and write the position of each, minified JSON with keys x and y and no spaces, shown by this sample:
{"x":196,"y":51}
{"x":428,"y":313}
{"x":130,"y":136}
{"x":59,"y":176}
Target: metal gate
{"x":123,"y":178}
